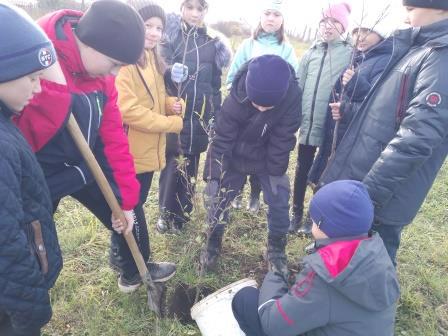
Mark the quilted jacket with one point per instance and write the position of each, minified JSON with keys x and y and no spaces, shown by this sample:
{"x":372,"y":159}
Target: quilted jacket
{"x":24,"y":198}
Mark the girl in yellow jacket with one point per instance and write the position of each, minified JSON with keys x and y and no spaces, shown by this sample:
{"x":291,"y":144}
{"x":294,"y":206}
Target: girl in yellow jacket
{"x":148,"y":114}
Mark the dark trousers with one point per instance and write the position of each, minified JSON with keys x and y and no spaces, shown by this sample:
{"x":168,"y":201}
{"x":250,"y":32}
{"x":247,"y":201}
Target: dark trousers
{"x":145,"y":180}
{"x":245,"y":310}
{"x":6,"y":328}
{"x":305,"y":158}
{"x":255,"y":186}
{"x":177,"y":187}
{"x":391,"y":235}
{"x":92,"y":198}
{"x":275,"y":196}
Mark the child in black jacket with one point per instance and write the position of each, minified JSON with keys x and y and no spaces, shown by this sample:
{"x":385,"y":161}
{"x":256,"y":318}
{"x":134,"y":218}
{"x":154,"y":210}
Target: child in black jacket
{"x":254,"y":134}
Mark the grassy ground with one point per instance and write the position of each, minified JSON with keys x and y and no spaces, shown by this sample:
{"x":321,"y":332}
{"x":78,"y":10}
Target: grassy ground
{"x":86,"y":300}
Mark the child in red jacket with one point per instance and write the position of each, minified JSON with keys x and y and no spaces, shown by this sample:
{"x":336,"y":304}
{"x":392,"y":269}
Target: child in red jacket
{"x":91,"y":48}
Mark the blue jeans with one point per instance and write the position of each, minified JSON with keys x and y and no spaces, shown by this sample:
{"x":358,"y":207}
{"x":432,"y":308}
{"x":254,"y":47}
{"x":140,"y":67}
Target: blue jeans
{"x":245,"y":310}
{"x":276,"y":193}
{"x":391,"y":235}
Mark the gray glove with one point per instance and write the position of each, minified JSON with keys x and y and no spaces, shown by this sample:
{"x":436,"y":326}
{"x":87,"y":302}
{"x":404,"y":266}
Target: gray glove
{"x":179,"y":73}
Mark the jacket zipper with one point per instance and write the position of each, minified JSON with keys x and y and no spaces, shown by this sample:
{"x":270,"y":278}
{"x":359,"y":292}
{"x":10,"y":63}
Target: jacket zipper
{"x":195,"y":89}
{"x":100,"y":111}
{"x":313,"y":104}
{"x":90,"y":118}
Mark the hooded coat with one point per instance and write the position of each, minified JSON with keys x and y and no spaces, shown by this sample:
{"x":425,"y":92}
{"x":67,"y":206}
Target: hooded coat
{"x":346,"y":287}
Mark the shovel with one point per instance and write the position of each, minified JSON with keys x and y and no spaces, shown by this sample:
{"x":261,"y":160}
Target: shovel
{"x":155,"y":291}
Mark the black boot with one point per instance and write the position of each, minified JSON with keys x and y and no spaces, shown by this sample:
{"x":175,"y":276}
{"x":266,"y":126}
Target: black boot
{"x":276,"y":255}
{"x":210,"y":254}
{"x":296,"y":221}
{"x":305,"y":228}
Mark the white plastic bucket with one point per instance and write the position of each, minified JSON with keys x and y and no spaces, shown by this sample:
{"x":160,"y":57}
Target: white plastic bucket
{"x":214,"y":315}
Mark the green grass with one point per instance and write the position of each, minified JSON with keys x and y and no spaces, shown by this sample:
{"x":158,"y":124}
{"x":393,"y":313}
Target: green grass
{"x":86,"y":300}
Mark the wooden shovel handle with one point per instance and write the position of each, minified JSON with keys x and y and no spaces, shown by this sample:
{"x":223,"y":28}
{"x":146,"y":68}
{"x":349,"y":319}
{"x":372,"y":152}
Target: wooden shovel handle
{"x":105,"y":188}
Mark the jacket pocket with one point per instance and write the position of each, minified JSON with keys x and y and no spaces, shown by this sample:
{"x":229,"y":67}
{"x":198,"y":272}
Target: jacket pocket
{"x":37,"y":245}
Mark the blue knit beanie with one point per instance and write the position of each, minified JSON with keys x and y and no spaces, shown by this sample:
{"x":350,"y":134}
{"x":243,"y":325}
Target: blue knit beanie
{"x":342,"y":209}
{"x":24,"y":47}
{"x":267,"y":80}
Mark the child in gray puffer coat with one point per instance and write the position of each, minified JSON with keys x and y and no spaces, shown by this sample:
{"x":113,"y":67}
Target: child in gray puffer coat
{"x":347,"y":285}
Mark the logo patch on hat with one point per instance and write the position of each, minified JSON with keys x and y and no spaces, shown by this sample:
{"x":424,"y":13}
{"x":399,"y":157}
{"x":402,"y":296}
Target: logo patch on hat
{"x":433,"y":99}
{"x":45,"y":57}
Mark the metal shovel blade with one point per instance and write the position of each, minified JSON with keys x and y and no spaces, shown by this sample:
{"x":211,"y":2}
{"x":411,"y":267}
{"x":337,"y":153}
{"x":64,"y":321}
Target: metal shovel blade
{"x":156,"y":295}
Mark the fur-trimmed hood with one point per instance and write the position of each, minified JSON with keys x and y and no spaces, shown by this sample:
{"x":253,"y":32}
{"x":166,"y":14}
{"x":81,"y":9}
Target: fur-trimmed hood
{"x":222,"y":45}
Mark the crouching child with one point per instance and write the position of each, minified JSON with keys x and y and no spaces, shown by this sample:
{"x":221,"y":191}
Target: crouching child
{"x":254,"y":134}
{"x":30,"y":257}
{"x":347,"y":285}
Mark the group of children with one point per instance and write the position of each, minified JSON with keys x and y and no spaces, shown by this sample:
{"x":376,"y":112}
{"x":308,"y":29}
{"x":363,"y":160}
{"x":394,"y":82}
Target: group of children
{"x":144,"y":106}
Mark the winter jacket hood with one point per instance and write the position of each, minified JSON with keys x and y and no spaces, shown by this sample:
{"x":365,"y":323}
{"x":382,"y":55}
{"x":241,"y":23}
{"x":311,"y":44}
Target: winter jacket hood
{"x":382,"y":48}
{"x":354,"y":269}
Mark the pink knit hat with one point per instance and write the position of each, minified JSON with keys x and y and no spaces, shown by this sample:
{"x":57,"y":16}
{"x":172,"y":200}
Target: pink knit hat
{"x":340,"y":12}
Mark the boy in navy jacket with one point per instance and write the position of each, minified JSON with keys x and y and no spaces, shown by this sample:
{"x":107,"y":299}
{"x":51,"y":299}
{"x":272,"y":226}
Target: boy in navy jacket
{"x":254,"y":134}
{"x":30,"y":257}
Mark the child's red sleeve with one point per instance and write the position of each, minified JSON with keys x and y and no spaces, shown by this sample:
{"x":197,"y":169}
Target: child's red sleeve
{"x":114,"y":155}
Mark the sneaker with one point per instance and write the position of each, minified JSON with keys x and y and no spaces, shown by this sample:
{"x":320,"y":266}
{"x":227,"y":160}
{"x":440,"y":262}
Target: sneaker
{"x":160,"y":272}
{"x":129,"y":285}
{"x":237,"y":202}
{"x":254,"y":205}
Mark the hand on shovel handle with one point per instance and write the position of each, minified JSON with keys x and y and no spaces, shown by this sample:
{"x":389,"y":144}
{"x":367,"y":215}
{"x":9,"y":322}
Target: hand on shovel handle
{"x":154,"y":296}
{"x":124,"y":227}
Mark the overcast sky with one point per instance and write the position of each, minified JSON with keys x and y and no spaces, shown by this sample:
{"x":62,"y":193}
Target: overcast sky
{"x":297,"y":12}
